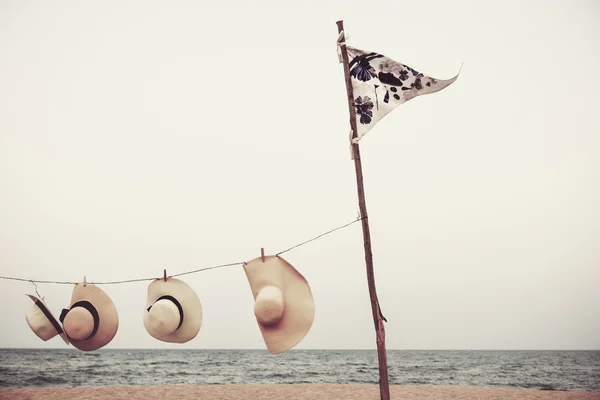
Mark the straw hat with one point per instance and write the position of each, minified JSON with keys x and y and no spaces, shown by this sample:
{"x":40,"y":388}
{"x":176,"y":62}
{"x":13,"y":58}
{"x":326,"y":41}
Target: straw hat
{"x":284,"y":306}
{"x":42,"y":322}
{"x":173,"y":311}
{"x":92,"y":320}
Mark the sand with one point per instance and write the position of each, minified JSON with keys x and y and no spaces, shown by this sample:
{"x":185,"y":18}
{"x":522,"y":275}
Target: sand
{"x":287,"y":392}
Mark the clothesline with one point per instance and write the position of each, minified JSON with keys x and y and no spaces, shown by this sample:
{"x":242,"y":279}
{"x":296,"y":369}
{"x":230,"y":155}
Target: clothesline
{"x":181,"y":273}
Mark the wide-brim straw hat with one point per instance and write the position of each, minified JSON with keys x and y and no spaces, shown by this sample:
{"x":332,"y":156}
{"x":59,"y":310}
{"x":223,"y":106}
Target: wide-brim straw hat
{"x":284,"y":305}
{"x":42,"y":322}
{"x":91,"y":321}
{"x":173,"y":311}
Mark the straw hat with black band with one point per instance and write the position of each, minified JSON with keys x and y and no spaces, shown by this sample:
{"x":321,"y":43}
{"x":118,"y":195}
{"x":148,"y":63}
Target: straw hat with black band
{"x":42,"y":322}
{"x":173,"y":311}
{"x":91,"y":321}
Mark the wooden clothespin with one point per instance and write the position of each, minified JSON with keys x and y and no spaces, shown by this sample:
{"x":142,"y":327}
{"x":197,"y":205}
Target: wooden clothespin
{"x":84,"y":281}
{"x":165,"y":274}
{"x":262,"y":254}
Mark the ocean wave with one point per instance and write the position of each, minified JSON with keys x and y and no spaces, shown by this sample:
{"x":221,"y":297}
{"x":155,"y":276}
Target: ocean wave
{"x":311,"y":372}
{"x":44,"y":380}
{"x":173,"y":362}
{"x":279,"y":375}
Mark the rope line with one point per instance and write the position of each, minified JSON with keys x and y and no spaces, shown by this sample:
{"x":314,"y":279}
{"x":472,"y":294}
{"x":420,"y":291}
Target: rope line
{"x":207,"y":268}
{"x":38,"y":281}
{"x":321,"y":235}
{"x":34,"y":281}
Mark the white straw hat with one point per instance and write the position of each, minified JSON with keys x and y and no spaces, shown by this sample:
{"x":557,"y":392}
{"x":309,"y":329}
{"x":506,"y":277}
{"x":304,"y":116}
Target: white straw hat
{"x":92,"y":320}
{"x":284,"y":306}
{"x":173,"y":311}
{"x":42,"y":322}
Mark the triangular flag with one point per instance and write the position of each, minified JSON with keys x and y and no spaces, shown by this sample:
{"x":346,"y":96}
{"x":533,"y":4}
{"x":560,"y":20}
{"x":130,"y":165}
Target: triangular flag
{"x":380,"y":84}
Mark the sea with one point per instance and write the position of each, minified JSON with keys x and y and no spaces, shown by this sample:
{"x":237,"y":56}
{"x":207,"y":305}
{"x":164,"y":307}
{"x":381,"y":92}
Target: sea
{"x":546,"y":370}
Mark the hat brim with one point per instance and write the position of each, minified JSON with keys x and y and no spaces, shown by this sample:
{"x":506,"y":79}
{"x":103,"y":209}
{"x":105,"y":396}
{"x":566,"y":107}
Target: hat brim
{"x":51,"y":318}
{"x":299,"y":307}
{"x":108,"y":323}
{"x":190,"y":305}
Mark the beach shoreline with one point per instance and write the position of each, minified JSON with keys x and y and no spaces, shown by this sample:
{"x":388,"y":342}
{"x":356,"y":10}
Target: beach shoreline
{"x":288,"y":392}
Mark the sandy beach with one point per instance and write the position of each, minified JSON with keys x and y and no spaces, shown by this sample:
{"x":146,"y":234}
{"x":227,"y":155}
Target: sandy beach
{"x":288,"y":392}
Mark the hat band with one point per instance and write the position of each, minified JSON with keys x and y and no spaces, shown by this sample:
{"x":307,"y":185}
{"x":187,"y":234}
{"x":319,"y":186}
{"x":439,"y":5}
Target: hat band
{"x":52,"y":320}
{"x":174,"y":300}
{"x":88,"y":306}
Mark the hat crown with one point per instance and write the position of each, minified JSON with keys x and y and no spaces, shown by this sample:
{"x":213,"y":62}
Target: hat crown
{"x":39,"y":324}
{"x":164,"y":317}
{"x":269,"y":305}
{"x":78,"y":323}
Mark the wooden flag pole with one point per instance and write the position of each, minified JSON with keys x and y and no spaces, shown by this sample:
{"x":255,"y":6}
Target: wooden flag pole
{"x":384,"y":386}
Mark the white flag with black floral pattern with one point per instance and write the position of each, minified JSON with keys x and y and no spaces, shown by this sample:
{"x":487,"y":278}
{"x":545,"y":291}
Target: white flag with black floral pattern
{"x":380,"y":84}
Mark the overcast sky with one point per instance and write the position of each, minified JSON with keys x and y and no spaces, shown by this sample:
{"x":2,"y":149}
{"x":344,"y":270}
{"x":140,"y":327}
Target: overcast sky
{"x":137,"y":136}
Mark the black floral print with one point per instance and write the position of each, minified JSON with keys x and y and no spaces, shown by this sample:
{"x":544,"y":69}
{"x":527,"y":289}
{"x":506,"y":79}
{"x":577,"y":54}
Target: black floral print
{"x":361,"y":68}
{"x":362,"y":72}
{"x":404,"y":74}
{"x":364,"y":107}
{"x":388,"y":78}
{"x":417,"y":84}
